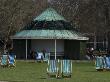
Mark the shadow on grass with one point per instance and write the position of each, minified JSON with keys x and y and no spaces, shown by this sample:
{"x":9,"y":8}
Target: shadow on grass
{"x":53,"y":77}
{"x":42,"y":78}
{"x":16,"y":81}
{"x":12,"y":81}
{"x":96,"y":71}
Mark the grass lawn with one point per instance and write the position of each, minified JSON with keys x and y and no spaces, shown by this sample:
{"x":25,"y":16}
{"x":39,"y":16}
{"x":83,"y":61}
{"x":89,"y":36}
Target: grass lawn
{"x":26,"y":71}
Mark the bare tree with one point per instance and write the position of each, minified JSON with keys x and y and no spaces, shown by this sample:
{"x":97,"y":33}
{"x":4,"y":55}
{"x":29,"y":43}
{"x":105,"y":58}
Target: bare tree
{"x":15,"y":14}
{"x":90,"y":16}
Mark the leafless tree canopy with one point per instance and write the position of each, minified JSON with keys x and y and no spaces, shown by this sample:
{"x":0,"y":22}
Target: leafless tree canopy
{"x":88,"y":16}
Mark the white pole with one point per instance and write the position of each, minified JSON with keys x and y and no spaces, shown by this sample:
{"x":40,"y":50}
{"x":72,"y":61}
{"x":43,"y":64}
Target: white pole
{"x":26,"y":49}
{"x":55,"y":49}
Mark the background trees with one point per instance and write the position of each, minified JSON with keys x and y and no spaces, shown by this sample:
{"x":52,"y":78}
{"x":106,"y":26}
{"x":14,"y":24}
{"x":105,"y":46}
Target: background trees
{"x":88,"y":16}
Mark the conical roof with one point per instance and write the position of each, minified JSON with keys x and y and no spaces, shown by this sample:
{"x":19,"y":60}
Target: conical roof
{"x":49,"y":25}
{"x":49,"y":15}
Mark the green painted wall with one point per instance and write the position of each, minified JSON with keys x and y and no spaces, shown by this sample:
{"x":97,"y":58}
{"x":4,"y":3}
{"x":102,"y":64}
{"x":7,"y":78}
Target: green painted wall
{"x":72,"y":49}
{"x":75,"y":49}
{"x":20,"y":48}
{"x":82,"y":49}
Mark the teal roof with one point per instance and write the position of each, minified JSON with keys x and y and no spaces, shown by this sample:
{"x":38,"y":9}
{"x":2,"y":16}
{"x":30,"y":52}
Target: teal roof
{"x":49,"y":15}
{"x":49,"y":34}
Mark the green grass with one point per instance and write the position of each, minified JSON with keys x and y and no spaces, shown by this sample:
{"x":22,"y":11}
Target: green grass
{"x":26,"y":71}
